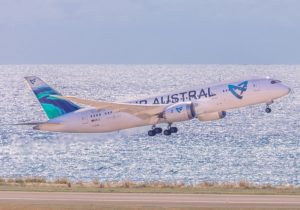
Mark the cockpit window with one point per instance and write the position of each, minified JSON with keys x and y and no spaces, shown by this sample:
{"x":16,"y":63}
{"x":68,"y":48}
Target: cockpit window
{"x":275,"y":81}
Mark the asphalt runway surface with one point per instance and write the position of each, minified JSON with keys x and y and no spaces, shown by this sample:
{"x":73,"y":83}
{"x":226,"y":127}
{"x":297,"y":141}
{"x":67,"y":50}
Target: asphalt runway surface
{"x":156,"y":199}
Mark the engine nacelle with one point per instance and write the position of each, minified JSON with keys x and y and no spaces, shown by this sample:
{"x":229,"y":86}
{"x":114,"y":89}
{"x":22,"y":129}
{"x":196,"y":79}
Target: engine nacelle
{"x":179,"y":112}
{"x":211,"y":116}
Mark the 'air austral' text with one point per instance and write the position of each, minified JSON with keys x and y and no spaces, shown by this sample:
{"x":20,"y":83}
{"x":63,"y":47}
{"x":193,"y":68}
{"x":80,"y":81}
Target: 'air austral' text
{"x":179,"y":97}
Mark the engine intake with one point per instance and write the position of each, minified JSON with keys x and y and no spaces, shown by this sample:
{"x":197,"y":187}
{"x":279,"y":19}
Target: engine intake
{"x":179,"y":112}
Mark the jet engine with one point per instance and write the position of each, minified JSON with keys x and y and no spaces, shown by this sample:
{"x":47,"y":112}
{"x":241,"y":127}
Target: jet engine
{"x":211,"y":116}
{"x":179,"y":112}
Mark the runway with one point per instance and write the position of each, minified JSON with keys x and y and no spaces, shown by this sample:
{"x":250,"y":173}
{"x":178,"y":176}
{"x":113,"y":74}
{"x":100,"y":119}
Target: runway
{"x":154,"y":199}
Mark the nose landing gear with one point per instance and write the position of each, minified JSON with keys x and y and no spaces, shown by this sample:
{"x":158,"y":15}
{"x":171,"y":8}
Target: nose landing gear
{"x":268,"y":109}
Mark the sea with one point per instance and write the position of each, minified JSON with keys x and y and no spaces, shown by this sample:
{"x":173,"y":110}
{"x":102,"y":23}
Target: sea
{"x":247,"y":145}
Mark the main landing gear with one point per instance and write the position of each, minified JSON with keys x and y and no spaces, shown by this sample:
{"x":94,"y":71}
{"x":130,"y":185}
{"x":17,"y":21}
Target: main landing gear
{"x":156,"y":130}
{"x":170,"y":130}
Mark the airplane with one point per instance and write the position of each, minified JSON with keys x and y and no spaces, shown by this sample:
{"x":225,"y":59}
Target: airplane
{"x":207,"y":103}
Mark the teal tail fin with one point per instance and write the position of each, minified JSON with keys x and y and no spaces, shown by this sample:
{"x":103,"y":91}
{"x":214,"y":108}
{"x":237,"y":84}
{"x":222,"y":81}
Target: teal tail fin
{"x":53,"y":107}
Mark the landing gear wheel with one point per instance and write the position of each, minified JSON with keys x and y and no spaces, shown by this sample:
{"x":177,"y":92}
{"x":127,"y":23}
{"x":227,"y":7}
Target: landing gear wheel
{"x":268,"y":109}
{"x":151,"y":133}
{"x":158,"y":130}
{"x":173,"y":129}
{"x":167,"y":132}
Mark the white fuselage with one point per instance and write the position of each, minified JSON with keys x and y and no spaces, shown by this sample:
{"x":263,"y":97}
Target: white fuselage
{"x":209,"y":99}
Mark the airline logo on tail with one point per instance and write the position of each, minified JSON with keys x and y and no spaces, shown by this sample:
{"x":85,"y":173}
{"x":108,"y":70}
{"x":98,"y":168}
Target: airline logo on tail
{"x":32,"y":81}
{"x":238,"y":90}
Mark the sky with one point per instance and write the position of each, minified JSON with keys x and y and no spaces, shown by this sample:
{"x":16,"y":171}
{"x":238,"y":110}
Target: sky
{"x":149,"y":32}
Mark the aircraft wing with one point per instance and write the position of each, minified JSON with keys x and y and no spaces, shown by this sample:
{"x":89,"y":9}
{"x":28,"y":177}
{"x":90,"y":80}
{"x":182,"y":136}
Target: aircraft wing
{"x":140,"y":110}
